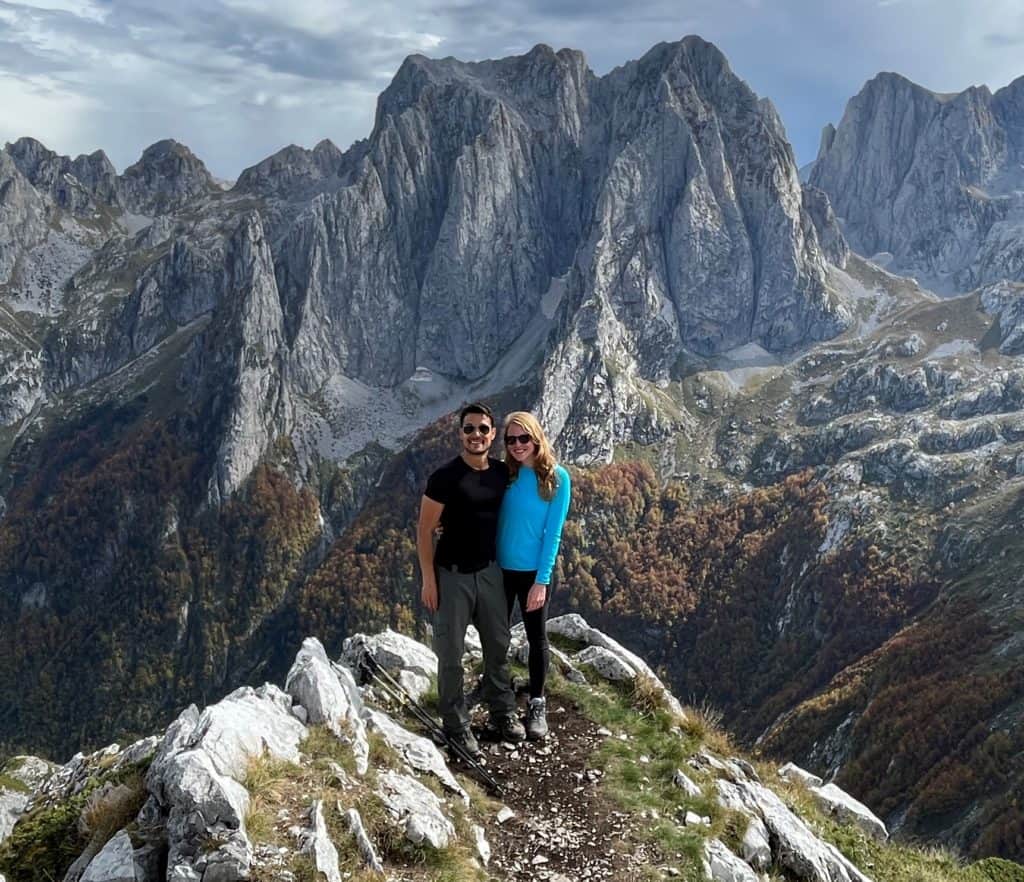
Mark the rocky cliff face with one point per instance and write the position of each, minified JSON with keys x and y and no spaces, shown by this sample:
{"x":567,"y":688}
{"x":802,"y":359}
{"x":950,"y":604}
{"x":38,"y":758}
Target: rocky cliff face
{"x":661,"y":199}
{"x":82,"y":186}
{"x":932,"y":180}
{"x":699,"y":242}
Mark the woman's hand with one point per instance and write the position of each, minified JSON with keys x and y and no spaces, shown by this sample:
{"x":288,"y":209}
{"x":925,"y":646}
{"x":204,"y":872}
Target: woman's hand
{"x":535,"y":599}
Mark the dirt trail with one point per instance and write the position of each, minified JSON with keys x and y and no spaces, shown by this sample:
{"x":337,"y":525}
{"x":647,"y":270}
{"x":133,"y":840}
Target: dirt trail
{"x":564,"y":828}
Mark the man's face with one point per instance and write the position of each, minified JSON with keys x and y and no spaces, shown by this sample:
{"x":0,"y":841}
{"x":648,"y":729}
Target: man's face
{"x":477,"y":433}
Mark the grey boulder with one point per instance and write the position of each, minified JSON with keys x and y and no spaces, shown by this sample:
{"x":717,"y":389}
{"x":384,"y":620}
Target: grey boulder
{"x":721,"y":865}
{"x":419,"y":753}
{"x":330,"y":697}
{"x":415,"y":808}
{"x":838,"y":803}
{"x":410,"y":662}
{"x":115,"y":863}
{"x":575,"y":627}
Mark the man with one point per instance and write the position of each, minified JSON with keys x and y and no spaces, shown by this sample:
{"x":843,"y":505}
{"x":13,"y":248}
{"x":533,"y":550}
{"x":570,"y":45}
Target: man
{"x":461,"y":580}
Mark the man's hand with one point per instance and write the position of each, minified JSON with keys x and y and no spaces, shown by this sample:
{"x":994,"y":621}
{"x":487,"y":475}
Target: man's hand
{"x":535,"y":599}
{"x":428,"y":594}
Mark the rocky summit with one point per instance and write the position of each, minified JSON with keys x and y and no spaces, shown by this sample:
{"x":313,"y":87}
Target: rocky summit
{"x":274,"y":783}
{"x":930,"y":183}
{"x":796,"y":471}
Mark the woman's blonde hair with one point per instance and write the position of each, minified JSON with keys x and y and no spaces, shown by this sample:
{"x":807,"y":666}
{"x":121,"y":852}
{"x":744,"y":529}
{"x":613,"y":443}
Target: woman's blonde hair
{"x":544,"y":461}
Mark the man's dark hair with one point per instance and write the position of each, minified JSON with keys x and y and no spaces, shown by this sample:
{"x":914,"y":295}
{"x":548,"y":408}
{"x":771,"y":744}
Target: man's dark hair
{"x":476,"y":407}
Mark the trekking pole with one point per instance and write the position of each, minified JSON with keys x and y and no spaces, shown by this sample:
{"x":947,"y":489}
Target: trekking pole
{"x":397,"y":692}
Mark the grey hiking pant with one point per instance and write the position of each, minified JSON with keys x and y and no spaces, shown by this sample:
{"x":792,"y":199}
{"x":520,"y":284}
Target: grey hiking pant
{"x":477,"y":598}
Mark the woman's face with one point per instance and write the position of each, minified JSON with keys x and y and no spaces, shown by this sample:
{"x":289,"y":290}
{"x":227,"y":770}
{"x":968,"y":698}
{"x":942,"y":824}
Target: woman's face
{"x":521,"y":451}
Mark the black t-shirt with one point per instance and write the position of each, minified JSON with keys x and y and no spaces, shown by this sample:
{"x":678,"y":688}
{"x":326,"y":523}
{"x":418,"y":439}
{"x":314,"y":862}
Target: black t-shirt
{"x":471,"y":500}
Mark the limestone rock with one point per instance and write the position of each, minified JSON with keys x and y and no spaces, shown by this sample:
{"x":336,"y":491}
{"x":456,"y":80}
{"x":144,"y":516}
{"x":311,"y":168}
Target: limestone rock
{"x":932,"y":180}
{"x":480,"y":843}
{"x":318,"y":687}
{"x":31,"y":773}
{"x":1005,"y":301}
{"x":82,"y":187}
{"x":363,"y":841}
{"x":294,"y":173}
{"x":318,"y":845}
{"x":793,"y":772}
{"x":605,"y":663}
{"x":245,"y":348}
{"x":837,"y":802}
{"x":416,"y":809}
{"x":731,"y":769}
{"x":168,"y":177}
{"x":721,"y":865}
{"x":421,"y":754}
{"x":196,"y":772}
{"x":23,"y":216}
{"x":407,"y":660}
{"x":575,"y":627}
{"x":756,"y":845}
{"x":685,"y":783}
{"x":115,"y":863}
{"x":794,"y":845}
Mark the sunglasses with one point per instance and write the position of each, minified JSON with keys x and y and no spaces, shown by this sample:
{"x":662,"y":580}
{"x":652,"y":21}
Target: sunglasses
{"x":470,"y":430}
{"x":518,"y":439}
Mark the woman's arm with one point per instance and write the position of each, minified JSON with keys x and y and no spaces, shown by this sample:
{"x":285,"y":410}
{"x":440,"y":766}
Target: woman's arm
{"x":558,"y":508}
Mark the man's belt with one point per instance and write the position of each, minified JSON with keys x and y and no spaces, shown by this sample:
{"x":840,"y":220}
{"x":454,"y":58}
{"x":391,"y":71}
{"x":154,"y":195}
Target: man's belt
{"x":466,"y":569}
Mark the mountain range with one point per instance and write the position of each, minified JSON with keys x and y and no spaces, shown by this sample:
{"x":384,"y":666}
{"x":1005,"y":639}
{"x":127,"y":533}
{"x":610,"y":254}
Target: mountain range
{"x":798,"y":469}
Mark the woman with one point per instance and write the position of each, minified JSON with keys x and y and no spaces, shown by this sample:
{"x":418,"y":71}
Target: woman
{"x":529,"y":532}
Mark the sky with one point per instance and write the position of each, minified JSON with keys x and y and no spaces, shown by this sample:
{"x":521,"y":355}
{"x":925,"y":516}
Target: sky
{"x":236,"y":80}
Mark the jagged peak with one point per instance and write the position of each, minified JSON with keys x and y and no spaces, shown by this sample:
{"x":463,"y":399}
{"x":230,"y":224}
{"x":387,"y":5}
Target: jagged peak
{"x":828,"y":137}
{"x":1012,"y":88}
{"x":328,"y":147}
{"x":28,"y":145}
{"x":490,"y":76}
{"x":692,"y":52}
{"x":290,"y":163}
{"x":163,"y":149}
{"x":890,"y":82}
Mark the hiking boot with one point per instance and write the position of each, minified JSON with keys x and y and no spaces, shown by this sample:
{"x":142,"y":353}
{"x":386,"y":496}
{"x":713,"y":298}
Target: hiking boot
{"x":464,"y":739}
{"x":508,"y":728}
{"x":537,"y":719}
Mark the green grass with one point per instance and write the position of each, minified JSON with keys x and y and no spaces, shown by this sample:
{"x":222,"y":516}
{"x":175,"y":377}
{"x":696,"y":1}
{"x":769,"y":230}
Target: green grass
{"x":647,"y":787}
{"x":13,"y":784}
{"x":45,"y":842}
{"x":896,"y":861}
{"x":635,"y":786}
{"x":324,"y":747}
{"x":267,"y":779}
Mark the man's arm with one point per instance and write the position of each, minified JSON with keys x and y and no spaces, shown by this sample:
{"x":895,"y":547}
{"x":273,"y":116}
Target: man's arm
{"x":430,"y":517}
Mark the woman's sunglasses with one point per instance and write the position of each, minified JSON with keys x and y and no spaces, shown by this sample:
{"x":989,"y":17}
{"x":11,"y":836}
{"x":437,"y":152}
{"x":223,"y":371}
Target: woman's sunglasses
{"x":469,"y":430}
{"x":518,"y":439}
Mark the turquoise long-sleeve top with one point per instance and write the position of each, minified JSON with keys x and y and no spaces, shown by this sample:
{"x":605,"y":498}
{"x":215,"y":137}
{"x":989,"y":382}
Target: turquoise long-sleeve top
{"x":530,"y":527}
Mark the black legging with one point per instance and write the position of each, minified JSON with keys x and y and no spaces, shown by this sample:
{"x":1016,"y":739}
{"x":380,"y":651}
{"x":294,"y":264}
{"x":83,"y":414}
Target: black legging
{"x":517,"y":585}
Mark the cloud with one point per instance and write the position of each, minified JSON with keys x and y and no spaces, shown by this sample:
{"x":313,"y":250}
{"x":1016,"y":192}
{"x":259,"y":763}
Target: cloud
{"x":238,"y":79}
{"x":1001,"y":41}
{"x":79,"y":8}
